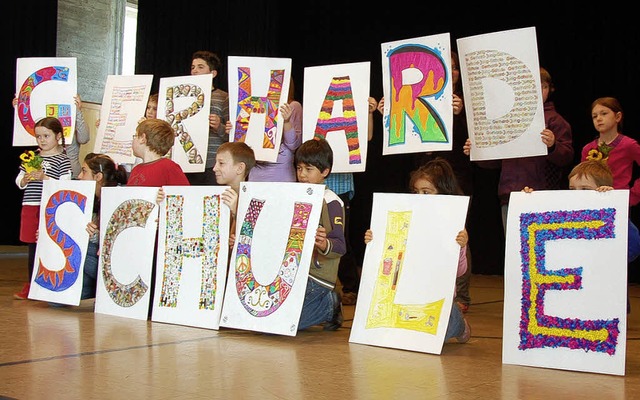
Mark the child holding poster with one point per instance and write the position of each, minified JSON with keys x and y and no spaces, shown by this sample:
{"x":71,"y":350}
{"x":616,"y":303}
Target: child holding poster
{"x":437,"y":177}
{"x":460,"y":163}
{"x":282,"y":170}
{"x":234,"y":161}
{"x":81,"y":136}
{"x":596,"y":175}
{"x":50,"y":162}
{"x":206,"y":62}
{"x":106,"y":173}
{"x":152,"y":140}
{"x":545,"y":173}
{"x":322,"y":304}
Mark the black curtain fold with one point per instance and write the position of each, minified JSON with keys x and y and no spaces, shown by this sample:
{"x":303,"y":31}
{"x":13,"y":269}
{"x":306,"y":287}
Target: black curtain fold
{"x":168,"y":36}
{"x":590,"y":52}
{"x":30,"y":30}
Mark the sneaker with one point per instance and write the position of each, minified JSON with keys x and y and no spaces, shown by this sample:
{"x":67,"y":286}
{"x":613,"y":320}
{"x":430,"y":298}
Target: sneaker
{"x":466,"y":334}
{"x":337,"y":319}
{"x":349,"y":298}
{"x":24,"y":293}
{"x":463,"y":307}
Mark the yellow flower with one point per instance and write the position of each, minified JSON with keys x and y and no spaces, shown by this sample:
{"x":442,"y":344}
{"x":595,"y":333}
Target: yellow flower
{"x":31,"y":161}
{"x":600,"y":153}
{"x":594,"y":154}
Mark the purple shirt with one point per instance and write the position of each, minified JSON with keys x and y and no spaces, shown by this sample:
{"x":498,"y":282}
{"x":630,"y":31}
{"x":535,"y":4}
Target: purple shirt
{"x":282,"y":170}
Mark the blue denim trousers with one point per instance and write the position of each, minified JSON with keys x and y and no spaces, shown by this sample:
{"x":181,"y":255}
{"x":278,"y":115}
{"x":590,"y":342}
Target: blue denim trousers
{"x":317,"y":307}
{"x":90,"y":276}
{"x":456,"y":323}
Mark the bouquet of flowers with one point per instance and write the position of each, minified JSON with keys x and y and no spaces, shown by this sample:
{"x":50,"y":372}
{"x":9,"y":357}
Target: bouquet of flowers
{"x":31,"y":161}
{"x":601,"y":153}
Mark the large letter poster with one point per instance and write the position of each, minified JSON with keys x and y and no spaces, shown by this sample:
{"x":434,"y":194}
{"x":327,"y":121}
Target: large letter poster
{"x":503,"y":97}
{"x":336,"y":108}
{"x":418,"y":99}
{"x":409,"y":271}
{"x":566,"y":280}
{"x":45,"y":88}
{"x":66,"y":208}
{"x":183,"y":101}
{"x":128,"y":228}
{"x":275,"y":233}
{"x":193,"y":254}
{"x":123,"y":105}
{"x":258,"y":86}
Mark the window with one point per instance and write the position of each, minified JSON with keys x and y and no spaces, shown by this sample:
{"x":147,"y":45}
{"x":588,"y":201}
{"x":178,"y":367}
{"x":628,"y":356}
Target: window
{"x":129,"y":41}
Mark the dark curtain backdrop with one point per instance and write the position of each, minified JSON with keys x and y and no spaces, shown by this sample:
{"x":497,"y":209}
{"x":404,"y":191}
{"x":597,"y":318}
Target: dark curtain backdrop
{"x":29,"y":30}
{"x":590,"y":52}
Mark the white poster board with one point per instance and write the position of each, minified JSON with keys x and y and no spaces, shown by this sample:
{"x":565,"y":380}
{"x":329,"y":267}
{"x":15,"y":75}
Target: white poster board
{"x":123,"y":105}
{"x":193,"y":255}
{"x":128,"y":227}
{"x":183,"y":101}
{"x":409,"y":271}
{"x":566,"y":280}
{"x":258,"y":86}
{"x":269,"y":265}
{"x":503,"y":98}
{"x":418,"y":95}
{"x":45,"y":88}
{"x":336,"y":108}
{"x":66,"y":208}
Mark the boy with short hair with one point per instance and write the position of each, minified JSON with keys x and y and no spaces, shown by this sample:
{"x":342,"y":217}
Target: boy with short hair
{"x":233,"y":162}
{"x":152,"y":141}
{"x":596,"y":175}
{"x":206,"y":62}
{"x":322,"y":304}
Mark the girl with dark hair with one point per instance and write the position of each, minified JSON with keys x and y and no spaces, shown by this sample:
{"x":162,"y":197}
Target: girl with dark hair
{"x":104,"y":171}
{"x":55,"y":164}
{"x":437,"y":177}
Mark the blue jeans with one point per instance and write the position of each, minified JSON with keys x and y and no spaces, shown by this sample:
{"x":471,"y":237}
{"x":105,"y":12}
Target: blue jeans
{"x":504,"y":210}
{"x":317,"y":307}
{"x":456,"y":323}
{"x":90,"y":276}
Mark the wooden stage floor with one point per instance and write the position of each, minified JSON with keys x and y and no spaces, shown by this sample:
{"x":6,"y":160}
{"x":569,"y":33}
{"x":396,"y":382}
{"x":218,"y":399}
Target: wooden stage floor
{"x":73,"y":353}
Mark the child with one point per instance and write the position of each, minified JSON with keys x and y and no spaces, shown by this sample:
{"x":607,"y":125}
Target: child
{"x":103,"y":170}
{"x":619,"y":151}
{"x":234,"y":160}
{"x":206,"y":62}
{"x":153,"y":139}
{"x":461,"y":165}
{"x":152,"y":107}
{"x":81,"y":136}
{"x":55,"y":165}
{"x":544,"y":173}
{"x":283,"y":170}
{"x":437,"y":177}
{"x":150,"y":112}
{"x":343,"y":184}
{"x":596,"y":175}
{"x":322,"y":304}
